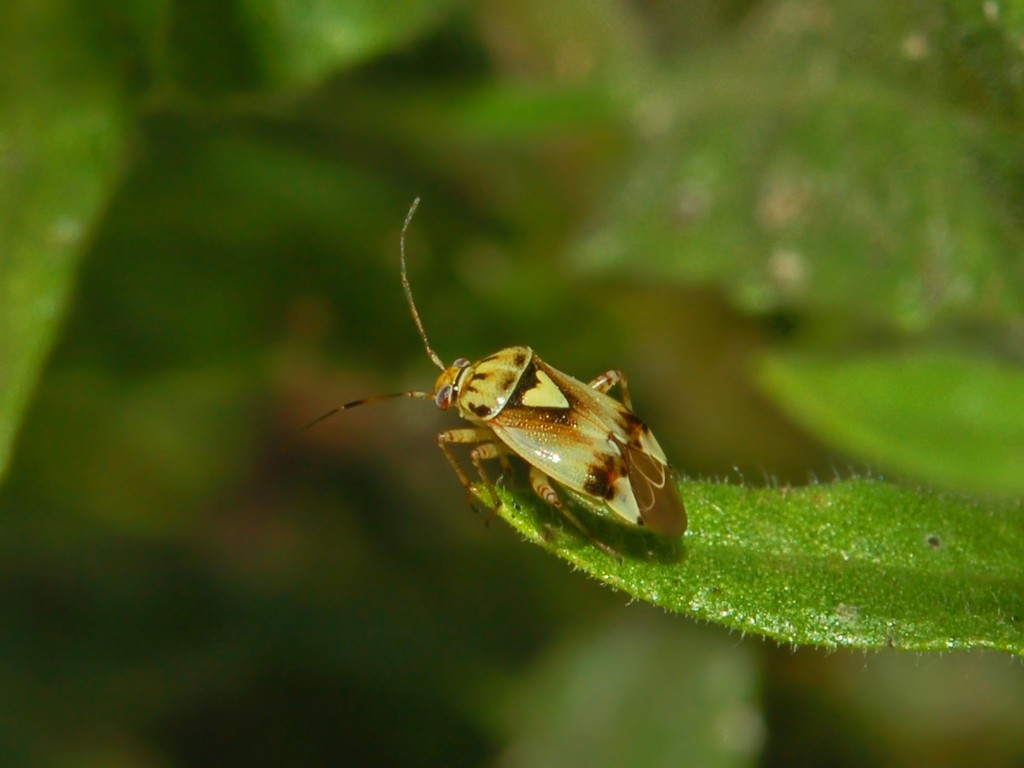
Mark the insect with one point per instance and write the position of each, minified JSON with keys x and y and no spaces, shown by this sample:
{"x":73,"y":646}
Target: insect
{"x":569,"y":433}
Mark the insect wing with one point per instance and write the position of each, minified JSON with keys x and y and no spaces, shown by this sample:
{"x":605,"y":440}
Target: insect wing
{"x":589,"y":442}
{"x":656,"y":490}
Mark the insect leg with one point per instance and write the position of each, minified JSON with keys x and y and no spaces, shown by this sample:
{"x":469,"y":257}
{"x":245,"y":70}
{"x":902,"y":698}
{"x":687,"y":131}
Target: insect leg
{"x":609,"y":379}
{"x":486,"y":449}
{"x":543,"y":488}
{"x":485,"y":452}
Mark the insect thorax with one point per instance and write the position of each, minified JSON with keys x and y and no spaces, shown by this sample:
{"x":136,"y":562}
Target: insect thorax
{"x":485,"y":386}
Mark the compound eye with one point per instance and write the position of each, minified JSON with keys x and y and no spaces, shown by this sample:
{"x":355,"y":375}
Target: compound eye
{"x":443,"y":398}
{"x":460,"y":363}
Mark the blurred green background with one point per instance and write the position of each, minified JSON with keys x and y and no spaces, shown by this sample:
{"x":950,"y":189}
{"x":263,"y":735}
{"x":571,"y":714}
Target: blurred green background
{"x":798,"y":226}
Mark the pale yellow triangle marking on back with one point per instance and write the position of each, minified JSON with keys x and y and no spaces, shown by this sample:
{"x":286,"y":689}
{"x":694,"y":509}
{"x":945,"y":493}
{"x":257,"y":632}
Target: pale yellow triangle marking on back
{"x":544,"y":394}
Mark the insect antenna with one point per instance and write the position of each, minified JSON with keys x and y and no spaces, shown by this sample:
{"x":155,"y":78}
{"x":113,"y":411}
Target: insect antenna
{"x":363,"y":401}
{"x":408,"y":292}
{"x":423,"y":334}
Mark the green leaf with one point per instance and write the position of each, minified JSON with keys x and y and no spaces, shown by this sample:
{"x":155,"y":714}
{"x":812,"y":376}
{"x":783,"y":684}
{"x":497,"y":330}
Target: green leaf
{"x":950,"y":420}
{"x":797,"y":175}
{"x":850,"y":564}
{"x":60,"y":131}
{"x":301,"y":41}
{"x":984,"y":39}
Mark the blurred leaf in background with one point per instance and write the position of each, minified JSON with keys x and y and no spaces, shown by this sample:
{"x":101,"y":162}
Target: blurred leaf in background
{"x":796,"y":224}
{"x":62,"y":125}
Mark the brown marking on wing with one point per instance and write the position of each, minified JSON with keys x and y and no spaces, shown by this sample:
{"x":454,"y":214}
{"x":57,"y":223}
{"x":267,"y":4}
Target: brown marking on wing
{"x":560,"y":421}
{"x":527,"y":381}
{"x":602,"y":476}
{"x":633,"y":427}
{"x":656,"y":489}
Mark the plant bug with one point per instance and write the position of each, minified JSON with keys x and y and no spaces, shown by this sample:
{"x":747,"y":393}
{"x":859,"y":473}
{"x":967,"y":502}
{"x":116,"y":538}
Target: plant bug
{"x":569,"y":433}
